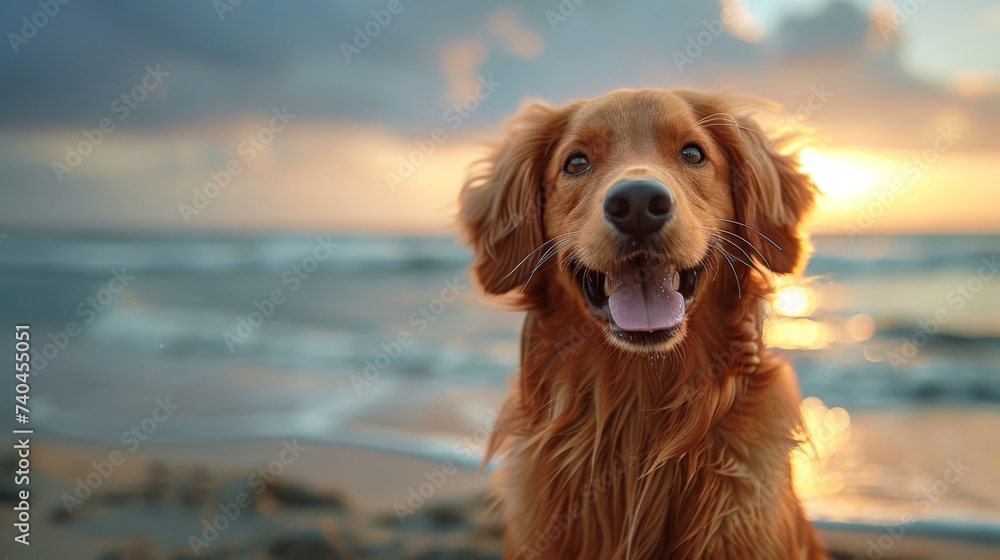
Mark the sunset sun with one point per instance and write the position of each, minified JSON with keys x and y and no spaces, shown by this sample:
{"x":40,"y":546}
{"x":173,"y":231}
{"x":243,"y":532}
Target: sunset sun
{"x":844,"y":177}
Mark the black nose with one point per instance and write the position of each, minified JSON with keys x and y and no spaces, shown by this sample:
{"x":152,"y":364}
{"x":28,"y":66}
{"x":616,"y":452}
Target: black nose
{"x":638,"y":207}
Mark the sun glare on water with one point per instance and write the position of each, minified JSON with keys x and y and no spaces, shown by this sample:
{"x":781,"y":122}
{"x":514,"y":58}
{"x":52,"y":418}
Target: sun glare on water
{"x":825,"y":433}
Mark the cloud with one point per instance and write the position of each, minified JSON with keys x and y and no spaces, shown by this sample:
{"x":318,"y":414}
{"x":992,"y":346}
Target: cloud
{"x":264,"y":53}
{"x":228,"y":74}
{"x":838,"y":26}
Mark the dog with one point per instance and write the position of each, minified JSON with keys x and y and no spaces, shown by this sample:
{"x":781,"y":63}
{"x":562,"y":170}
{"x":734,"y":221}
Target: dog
{"x":641,"y":231}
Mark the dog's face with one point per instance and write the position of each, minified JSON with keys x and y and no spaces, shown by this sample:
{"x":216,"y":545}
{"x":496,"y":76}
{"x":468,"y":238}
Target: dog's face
{"x":635,"y":186}
{"x":628,"y":199}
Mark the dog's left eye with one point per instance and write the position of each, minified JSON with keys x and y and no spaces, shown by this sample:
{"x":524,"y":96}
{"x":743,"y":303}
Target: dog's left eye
{"x":692,"y":154}
{"x":576,"y":164}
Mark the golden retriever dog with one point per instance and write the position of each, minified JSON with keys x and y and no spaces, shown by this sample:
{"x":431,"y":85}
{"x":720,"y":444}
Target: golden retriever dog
{"x":641,"y":232}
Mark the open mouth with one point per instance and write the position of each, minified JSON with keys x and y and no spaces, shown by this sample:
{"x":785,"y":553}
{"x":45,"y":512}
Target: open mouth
{"x":643,"y":299}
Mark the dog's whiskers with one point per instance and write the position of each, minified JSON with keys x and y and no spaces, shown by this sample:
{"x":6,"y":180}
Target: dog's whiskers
{"x":549,"y":253}
{"x":738,"y":127}
{"x":739,"y":289}
{"x":766,"y":238}
{"x":727,"y":120}
{"x":545,"y":258}
{"x":557,"y":239}
{"x":745,"y":240}
{"x":736,"y":258}
{"x":749,"y":262}
{"x":716,"y":265}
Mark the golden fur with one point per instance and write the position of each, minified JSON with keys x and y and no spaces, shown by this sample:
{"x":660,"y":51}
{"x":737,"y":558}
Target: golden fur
{"x":613,"y":450}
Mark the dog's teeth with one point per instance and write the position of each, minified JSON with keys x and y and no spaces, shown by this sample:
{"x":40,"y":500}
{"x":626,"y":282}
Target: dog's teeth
{"x":676,"y":280}
{"x":608,"y":289}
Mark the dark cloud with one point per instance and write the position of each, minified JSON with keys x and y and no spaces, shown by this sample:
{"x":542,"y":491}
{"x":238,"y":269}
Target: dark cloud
{"x":838,"y":26}
{"x":266,"y":54}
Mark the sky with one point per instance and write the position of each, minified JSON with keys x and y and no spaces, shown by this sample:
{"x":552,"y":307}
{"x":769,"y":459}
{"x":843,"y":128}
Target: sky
{"x":288,"y":117}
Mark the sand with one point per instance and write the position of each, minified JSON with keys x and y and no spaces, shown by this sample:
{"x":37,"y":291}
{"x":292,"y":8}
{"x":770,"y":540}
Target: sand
{"x":344,"y":502}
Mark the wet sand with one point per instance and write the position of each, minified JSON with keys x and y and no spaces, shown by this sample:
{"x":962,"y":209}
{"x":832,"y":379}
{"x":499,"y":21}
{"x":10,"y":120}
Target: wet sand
{"x":344,"y":502}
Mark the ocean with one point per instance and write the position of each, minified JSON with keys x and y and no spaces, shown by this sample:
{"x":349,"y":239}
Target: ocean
{"x":298,"y":334}
{"x":383,"y":343}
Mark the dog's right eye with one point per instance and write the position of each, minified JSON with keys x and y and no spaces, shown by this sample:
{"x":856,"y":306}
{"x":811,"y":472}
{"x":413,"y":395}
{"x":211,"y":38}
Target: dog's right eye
{"x":576,"y":164}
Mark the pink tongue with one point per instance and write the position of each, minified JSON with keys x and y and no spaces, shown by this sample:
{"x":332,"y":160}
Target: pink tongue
{"x":645,"y":306}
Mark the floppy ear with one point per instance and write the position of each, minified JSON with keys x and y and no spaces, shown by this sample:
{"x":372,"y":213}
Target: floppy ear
{"x":501,"y":214}
{"x":770,"y":195}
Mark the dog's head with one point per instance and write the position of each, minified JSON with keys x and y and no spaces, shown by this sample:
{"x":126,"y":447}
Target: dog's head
{"x":624,"y":202}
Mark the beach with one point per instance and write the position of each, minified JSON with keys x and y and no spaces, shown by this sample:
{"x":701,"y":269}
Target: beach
{"x":378,"y":373}
{"x":347,"y":502}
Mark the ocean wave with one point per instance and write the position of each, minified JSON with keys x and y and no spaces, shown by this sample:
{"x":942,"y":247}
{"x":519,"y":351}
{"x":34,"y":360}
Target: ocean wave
{"x":857,"y":384}
{"x":201,"y":334}
{"x":94,"y":254}
{"x":942,"y":338}
{"x":162,"y":254}
{"x":883,"y":255}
